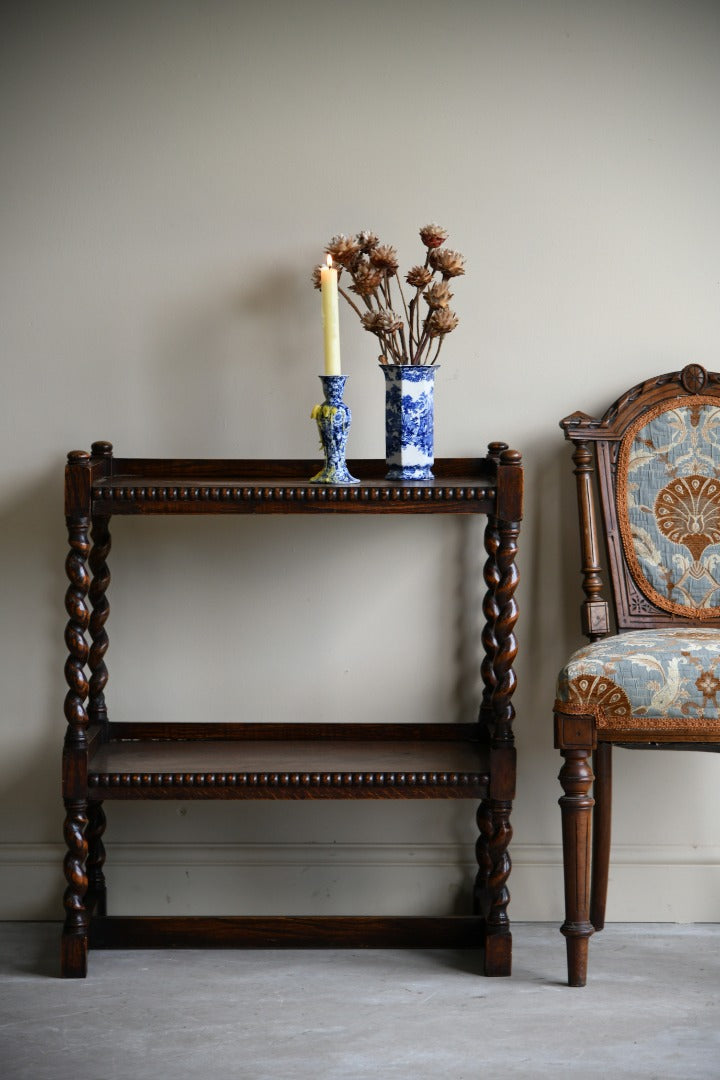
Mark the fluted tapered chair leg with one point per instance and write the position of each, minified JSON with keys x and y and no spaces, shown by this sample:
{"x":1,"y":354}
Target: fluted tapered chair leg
{"x":576,"y":806}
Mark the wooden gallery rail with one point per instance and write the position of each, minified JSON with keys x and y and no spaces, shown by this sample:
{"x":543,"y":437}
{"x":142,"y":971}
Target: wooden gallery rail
{"x":105,"y":760}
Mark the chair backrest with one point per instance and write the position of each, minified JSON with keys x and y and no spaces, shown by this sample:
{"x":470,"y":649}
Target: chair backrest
{"x":657,"y":455}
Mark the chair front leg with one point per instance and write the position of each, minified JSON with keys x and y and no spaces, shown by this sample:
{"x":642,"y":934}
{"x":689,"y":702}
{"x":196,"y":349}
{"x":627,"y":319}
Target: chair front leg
{"x":575,"y":736}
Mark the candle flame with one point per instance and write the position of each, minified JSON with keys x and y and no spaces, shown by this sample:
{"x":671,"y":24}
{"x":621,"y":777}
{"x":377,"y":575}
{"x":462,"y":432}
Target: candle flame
{"x":328,"y":260}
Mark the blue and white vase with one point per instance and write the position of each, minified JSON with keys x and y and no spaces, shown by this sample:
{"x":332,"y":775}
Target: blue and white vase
{"x":409,"y":421}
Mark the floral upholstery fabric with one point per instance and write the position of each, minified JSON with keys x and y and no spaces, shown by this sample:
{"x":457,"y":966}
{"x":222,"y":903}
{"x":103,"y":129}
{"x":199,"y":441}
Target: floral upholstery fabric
{"x":650,"y":673}
{"x":668,"y":501}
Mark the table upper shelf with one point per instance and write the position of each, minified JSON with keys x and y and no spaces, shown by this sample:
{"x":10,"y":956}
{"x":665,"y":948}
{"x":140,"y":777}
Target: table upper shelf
{"x":99,"y":484}
{"x":250,"y":486}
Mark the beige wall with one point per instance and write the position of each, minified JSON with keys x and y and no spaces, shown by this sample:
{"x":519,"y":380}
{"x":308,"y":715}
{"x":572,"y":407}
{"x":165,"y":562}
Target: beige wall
{"x":169,"y":174}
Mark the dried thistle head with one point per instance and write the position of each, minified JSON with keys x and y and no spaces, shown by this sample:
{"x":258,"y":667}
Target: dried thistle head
{"x":448,"y":263}
{"x":440,"y":321}
{"x":367,"y":241}
{"x":366,"y":279}
{"x":419,"y":277}
{"x":343,"y":249}
{"x":385,"y":258}
{"x":372,"y":272}
{"x":438,"y":295}
{"x":433,"y":236}
{"x":381,"y":322}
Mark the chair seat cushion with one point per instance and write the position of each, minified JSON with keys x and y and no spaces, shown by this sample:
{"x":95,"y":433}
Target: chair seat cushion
{"x":646,"y":673}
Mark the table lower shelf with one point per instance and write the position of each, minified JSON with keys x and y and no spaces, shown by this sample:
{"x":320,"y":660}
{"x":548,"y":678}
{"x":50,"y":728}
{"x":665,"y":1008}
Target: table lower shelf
{"x":218,"y":760}
{"x":279,"y":762}
{"x":300,"y":931}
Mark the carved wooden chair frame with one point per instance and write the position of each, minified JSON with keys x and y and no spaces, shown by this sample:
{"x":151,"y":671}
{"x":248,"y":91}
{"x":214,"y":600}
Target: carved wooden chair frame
{"x":581,"y":731}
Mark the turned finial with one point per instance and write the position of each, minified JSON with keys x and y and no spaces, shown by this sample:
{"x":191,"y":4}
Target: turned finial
{"x":102,"y":449}
{"x":495,"y":449}
{"x":511,"y":457}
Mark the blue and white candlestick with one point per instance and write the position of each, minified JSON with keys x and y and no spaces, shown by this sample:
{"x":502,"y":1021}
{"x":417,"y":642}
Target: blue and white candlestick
{"x":333,"y":420}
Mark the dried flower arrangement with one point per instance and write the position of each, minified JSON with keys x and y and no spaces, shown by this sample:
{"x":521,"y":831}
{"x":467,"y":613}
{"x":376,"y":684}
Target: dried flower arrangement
{"x":373,"y":270}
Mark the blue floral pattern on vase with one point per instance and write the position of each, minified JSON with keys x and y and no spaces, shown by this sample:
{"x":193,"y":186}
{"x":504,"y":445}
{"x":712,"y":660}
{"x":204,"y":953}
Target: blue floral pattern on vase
{"x":333,"y":419}
{"x":409,"y":421}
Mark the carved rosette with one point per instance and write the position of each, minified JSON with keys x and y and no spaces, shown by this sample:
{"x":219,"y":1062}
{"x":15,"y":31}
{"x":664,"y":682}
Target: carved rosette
{"x":693,"y":378}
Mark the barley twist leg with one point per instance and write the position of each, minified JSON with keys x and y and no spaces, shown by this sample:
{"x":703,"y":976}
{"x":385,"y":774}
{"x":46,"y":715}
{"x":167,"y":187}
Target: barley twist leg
{"x":97,"y":892}
{"x":74,"y":940}
{"x":100,"y":536}
{"x":502,"y":787}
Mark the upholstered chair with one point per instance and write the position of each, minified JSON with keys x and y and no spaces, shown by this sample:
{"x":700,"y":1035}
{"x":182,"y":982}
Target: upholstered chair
{"x":648,"y":473}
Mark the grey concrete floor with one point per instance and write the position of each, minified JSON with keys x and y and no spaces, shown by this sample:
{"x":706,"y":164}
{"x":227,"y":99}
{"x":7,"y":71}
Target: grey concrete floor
{"x":650,"y":1009}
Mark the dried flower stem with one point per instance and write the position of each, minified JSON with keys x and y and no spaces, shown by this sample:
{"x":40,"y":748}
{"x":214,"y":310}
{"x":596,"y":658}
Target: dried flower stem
{"x":437,"y":351}
{"x":414,"y":320}
{"x":405,"y":307}
{"x":402,"y":340}
{"x":350,"y":301}
{"x":424,"y":339}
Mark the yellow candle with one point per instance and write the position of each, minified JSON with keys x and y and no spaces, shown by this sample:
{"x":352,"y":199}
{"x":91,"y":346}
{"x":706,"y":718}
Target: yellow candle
{"x":331,"y":321}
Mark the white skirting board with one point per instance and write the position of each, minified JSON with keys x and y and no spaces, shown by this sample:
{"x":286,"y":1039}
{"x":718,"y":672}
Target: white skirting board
{"x":651,"y":884}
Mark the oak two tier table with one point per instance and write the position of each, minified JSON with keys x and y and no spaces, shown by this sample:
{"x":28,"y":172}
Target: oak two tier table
{"x":106,"y":760}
